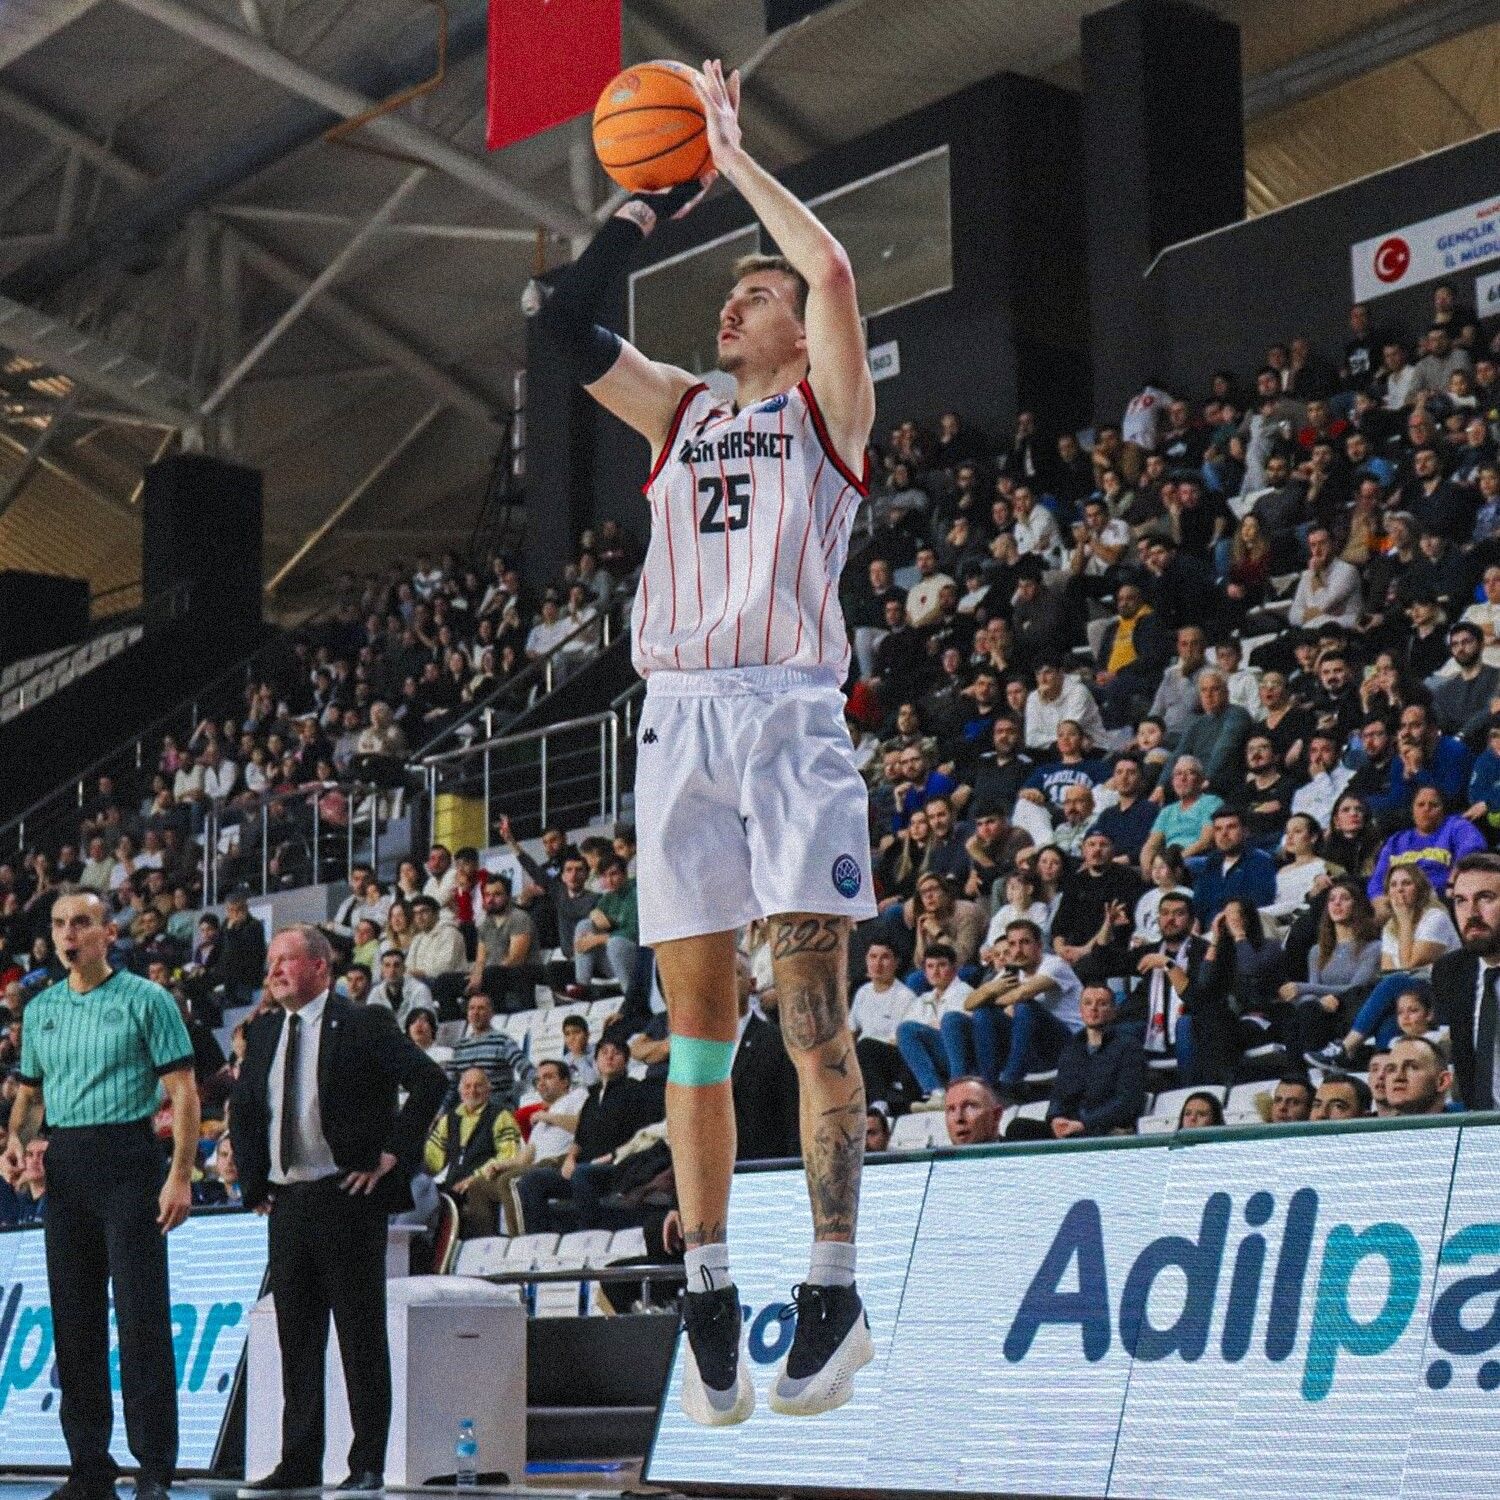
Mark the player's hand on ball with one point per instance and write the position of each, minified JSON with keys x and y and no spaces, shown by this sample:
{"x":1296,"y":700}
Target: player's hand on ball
{"x":721,"y":110}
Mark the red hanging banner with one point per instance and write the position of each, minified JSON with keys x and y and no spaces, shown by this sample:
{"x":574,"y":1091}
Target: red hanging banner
{"x":548,"y":61}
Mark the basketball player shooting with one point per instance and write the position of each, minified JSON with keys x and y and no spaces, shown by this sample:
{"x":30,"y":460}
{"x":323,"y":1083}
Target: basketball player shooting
{"x":748,"y":803}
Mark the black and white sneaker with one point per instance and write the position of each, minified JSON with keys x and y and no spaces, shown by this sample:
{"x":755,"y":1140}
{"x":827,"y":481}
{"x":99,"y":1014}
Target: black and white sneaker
{"x":831,"y":1344}
{"x":1331,"y":1059}
{"x":716,"y":1386}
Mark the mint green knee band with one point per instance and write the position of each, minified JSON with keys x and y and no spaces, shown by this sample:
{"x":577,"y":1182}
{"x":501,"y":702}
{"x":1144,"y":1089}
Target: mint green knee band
{"x":699,"y":1063}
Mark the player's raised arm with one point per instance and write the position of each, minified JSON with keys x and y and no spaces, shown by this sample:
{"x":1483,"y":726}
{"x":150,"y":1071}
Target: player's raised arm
{"x":839,"y":370}
{"x":641,"y":392}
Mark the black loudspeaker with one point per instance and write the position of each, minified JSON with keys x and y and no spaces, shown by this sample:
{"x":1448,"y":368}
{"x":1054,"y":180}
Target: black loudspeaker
{"x":40,"y":612}
{"x":203,"y":526}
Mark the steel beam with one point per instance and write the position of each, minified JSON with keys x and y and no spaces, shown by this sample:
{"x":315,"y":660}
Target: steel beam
{"x":392,"y":130}
{"x":379,"y":469}
{"x":259,"y":213}
{"x":1410,"y":30}
{"x":324,"y":279}
{"x":32,"y":457}
{"x":349,"y":324}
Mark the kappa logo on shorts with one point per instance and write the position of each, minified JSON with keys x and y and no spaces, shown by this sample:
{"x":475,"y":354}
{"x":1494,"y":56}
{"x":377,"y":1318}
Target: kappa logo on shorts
{"x":649,"y":737}
{"x":846,"y":876}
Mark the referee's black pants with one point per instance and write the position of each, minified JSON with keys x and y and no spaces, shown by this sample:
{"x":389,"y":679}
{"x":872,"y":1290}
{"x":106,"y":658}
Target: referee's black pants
{"x":102,"y":1187}
{"x":327,"y":1255}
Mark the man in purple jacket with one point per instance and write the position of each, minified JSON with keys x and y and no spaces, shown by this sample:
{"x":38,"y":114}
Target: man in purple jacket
{"x":1435,"y":843}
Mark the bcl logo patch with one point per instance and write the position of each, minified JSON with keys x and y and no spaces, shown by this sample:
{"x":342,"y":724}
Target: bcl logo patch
{"x":846,"y":876}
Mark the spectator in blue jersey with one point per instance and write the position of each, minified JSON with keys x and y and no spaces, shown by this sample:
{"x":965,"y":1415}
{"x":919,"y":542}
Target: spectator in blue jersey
{"x":918,"y":785}
{"x":1426,"y":757}
{"x":1074,"y":766}
{"x":1234,"y":869}
{"x":1434,"y":843}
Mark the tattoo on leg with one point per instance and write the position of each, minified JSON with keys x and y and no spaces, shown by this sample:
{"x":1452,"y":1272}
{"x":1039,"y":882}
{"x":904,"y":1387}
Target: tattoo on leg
{"x":812,"y":1013}
{"x":695,"y":1236}
{"x":835,"y":1157}
{"x":806,"y":935}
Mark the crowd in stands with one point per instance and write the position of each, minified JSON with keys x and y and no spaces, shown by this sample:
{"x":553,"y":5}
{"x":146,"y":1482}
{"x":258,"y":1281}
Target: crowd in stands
{"x":1175,"y":732}
{"x":1189,"y":718}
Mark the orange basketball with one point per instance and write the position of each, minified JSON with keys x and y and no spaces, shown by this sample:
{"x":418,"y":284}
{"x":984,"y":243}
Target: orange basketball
{"x":649,"y":132}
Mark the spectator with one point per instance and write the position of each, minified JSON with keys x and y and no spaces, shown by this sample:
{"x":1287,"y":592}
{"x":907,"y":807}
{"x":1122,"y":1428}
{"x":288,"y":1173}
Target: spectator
{"x":436,"y":949}
{"x":877,"y":1010}
{"x":1233,"y":869}
{"x":1200,"y":1111}
{"x":470,"y":1143}
{"x":502,"y":965}
{"x":919,"y":1037}
{"x":421,"y":1029}
{"x":1187,"y":823}
{"x":491,"y":1051}
{"x":1433,"y":844}
{"x":1341,"y":1098}
{"x":1057,"y":698}
{"x":1416,"y":934}
{"x":1101,"y":1073}
{"x":1091,"y":931}
{"x":1177,"y":698}
{"x":577,"y":1053}
{"x":1329,"y":589}
{"x":1215,"y":736}
{"x":398,"y":991}
{"x":1419,"y":1077}
{"x":1291,"y":1100}
{"x":1179,"y":1006}
{"x":616,"y":1107}
{"x":1023,"y":1015}
{"x":610,"y":934}
{"x":1326,"y":781}
{"x":971,"y":1112}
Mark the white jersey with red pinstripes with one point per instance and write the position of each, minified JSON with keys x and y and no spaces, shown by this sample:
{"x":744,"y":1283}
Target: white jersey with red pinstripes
{"x":750,"y":519}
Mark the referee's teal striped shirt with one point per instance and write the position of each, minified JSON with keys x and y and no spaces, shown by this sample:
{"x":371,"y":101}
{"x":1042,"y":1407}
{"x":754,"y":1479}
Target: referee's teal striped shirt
{"x":98,"y":1055}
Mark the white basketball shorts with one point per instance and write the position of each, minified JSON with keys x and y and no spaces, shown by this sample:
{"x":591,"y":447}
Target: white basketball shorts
{"x":747,"y":802}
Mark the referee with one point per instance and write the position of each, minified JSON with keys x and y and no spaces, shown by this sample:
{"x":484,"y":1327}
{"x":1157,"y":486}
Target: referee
{"x":97,"y":1044}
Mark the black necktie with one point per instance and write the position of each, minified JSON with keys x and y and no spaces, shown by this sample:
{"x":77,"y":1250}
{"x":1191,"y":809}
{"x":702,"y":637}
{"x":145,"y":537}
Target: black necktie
{"x":289,"y":1092}
{"x":1484,"y":1044}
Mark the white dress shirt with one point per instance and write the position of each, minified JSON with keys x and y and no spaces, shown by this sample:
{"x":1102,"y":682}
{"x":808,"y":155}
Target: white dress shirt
{"x":315,"y":1159}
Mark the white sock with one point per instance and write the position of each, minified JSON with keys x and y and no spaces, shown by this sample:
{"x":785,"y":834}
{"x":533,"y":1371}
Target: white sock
{"x":707,"y":1267}
{"x":832,"y":1263}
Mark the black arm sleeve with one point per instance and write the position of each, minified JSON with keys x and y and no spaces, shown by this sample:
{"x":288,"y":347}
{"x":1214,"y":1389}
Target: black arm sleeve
{"x":570,"y":304}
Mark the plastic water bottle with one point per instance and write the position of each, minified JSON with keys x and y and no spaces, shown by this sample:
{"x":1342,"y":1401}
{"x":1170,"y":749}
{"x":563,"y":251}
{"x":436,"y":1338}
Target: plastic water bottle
{"x":466,"y":1454}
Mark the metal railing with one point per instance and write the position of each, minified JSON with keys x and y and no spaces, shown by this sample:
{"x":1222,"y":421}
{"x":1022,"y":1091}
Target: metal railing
{"x":575,"y":773}
{"x":544,"y":675}
{"x":327,"y":848}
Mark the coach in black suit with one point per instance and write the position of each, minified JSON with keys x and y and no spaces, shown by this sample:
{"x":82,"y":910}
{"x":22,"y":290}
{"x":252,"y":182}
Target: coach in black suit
{"x":1467,"y":983}
{"x":322,"y":1148}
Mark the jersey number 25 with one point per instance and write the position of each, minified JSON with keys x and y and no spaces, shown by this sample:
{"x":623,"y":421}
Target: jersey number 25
{"x":732,"y":495}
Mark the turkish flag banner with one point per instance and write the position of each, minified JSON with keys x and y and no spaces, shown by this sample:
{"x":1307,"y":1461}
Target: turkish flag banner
{"x":548,"y":61}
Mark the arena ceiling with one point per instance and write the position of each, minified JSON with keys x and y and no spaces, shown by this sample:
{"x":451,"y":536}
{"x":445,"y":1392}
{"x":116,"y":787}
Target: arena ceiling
{"x":171,"y":208}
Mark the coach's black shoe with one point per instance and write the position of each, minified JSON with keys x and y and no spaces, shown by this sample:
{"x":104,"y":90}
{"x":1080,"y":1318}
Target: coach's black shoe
{"x":79,"y":1489}
{"x":716,"y":1386}
{"x":280,"y":1484}
{"x":831,"y":1345}
{"x":366,"y":1482}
